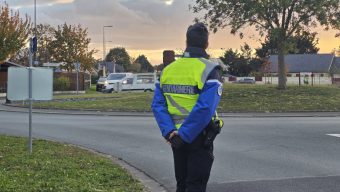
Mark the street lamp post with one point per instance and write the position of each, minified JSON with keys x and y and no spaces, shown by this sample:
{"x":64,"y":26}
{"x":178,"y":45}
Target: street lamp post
{"x":104,"y":49}
{"x":32,"y":50}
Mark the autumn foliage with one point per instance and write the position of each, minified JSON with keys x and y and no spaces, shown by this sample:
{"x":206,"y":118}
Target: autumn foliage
{"x":13,"y":32}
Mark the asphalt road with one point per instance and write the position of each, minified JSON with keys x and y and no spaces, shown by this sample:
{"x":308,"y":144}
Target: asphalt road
{"x":281,"y":154}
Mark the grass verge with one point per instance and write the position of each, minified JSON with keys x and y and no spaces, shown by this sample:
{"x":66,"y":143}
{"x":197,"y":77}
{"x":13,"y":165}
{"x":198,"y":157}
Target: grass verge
{"x":235,"y":98}
{"x":58,"y":167}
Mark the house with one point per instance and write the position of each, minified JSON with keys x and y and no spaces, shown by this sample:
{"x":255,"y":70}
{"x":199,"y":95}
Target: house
{"x":4,"y":74}
{"x":111,"y":66}
{"x":308,"y":65}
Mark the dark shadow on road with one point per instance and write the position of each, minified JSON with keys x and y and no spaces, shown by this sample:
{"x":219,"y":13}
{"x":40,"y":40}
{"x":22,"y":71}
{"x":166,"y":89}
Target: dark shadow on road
{"x":316,"y":184}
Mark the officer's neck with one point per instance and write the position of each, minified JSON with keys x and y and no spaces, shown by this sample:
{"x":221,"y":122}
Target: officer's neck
{"x":195,"y":52}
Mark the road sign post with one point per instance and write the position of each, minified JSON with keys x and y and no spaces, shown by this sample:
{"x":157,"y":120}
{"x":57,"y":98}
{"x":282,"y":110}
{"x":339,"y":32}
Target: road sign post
{"x":77,"y":66}
{"x":42,"y":89}
{"x":30,"y":99}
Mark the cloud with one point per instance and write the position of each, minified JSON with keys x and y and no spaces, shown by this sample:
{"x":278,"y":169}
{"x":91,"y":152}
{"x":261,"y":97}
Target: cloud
{"x":25,"y":3}
{"x":142,"y":25}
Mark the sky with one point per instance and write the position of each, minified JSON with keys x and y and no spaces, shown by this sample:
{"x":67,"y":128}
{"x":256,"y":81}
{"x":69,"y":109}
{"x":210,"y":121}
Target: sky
{"x":141,"y":26}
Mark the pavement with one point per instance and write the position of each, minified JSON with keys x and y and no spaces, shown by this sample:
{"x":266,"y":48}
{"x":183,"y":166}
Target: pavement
{"x":152,"y":185}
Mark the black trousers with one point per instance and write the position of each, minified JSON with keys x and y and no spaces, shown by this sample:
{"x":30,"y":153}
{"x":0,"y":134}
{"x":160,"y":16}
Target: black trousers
{"x":193,"y":164}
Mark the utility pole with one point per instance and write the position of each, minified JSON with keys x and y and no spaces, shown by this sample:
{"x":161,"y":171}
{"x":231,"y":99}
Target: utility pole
{"x":104,"y":49}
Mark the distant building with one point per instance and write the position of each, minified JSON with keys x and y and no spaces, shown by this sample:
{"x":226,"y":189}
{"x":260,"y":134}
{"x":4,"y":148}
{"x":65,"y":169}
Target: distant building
{"x":4,"y":74}
{"x":314,"y":65}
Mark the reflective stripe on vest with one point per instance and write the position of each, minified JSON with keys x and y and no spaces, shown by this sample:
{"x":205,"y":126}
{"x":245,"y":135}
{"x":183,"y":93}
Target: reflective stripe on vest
{"x":178,"y":119}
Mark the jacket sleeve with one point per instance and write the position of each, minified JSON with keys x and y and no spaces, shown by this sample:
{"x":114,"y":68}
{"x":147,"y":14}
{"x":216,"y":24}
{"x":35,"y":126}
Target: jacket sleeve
{"x":160,"y":111}
{"x":203,"y":111}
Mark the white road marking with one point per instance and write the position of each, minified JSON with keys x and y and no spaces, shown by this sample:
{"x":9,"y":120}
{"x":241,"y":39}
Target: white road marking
{"x":334,"y":135}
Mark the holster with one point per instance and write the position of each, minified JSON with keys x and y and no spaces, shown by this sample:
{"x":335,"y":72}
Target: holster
{"x":213,"y":129}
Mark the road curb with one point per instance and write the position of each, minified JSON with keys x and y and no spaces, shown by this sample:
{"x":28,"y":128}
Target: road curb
{"x":18,"y":109}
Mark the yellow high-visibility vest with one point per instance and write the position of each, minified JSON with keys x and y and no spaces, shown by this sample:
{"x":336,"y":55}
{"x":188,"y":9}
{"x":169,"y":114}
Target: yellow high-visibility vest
{"x":181,"y":83}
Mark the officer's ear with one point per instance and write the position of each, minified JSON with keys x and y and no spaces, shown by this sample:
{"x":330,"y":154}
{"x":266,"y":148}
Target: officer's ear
{"x":206,"y":45}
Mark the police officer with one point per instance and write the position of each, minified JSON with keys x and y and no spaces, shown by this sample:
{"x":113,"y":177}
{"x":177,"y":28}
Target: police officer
{"x":184,"y":105}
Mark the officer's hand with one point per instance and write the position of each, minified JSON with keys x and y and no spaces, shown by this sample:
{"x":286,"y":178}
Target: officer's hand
{"x":172,"y":134}
{"x":176,"y":141}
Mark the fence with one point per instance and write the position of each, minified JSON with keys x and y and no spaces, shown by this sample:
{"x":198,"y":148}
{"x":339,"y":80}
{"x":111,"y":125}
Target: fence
{"x":3,"y":82}
{"x":318,"y":80}
{"x":84,"y":80}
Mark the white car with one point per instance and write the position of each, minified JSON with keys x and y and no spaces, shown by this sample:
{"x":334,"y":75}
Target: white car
{"x":246,"y":81}
{"x":114,"y":79}
{"x":140,"y":81}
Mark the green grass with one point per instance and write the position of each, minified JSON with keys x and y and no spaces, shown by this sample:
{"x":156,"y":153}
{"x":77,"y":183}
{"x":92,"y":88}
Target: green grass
{"x":126,"y":101}
{"x":235,"y":98}
{"x":264,"y":98}
{"x":90,"y":93}
{"x":58,"y":167}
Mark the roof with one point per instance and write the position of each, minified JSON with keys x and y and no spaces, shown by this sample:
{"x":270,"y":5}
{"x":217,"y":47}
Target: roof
{"x":6,"y":64}
{"x":336,"y":65}
{"x":295,"y":63}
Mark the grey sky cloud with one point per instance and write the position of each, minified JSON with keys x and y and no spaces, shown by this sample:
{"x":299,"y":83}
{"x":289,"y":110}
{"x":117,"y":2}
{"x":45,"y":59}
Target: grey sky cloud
{"x":137,"y":24}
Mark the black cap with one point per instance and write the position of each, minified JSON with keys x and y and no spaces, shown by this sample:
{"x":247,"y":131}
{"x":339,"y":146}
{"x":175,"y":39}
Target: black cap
{"x":197,"y":35}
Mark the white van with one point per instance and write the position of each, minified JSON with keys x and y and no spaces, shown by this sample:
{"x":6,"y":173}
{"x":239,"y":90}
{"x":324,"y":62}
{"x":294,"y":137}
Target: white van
{"x":139,"y":81}
{"x":114,"y":79}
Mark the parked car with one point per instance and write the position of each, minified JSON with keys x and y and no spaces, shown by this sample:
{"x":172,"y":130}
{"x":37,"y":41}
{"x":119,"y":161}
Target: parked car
{"x":129,"y":82}
{"x":246,"y":81}
{"x":100,"y":83}
{"x":114,"y":79}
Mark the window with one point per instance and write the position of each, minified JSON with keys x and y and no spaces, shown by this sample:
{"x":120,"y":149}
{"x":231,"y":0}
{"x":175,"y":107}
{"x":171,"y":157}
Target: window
{"x":145,"y":79}
{"x":129,"y":81}
{"x":116,"y":76}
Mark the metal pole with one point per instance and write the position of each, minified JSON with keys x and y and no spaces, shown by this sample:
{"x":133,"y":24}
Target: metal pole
{"x":35,"y":17}
{"x":35,"y":28}
{"x":104,"y":53}
{"x":114,"y":67}
{"x":30,"y":98}
{"x":77,"y":78}
{"x":104,"y":50}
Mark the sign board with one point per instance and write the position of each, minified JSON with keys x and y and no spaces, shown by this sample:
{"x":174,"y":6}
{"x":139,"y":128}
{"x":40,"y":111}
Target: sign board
{"x":52,"y":64}
{"x":77,"y":66}
{"x":42,"y":84}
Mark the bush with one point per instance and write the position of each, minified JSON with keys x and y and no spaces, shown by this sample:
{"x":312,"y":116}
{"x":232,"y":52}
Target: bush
{"x":61,"y":84}
{"x":94,"y":79}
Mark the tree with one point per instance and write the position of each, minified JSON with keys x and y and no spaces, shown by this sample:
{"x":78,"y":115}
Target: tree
{"x":238,"y":63}
{"x":301,"y":43}
{"x":13,"y":32}
{"x":134,"y":68}
{"x":159,"y":67}
{"x":120,"y":56}
{"x":45,"y":35}
{"x":278,"y":19}
{"x":145,"y":64}
{"x":71,"y":45}
{"x":241,"y":63}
